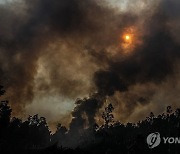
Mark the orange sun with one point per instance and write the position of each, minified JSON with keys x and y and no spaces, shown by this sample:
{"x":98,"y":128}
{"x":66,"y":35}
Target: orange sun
{"x":127,"y":38}
{"x":127,"y":41}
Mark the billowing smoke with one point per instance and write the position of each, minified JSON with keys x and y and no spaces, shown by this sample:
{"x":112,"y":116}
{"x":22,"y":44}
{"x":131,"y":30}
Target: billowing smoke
{"x":151,"y":64}
{"x":54,"y":51}
{"x":42,"y":47}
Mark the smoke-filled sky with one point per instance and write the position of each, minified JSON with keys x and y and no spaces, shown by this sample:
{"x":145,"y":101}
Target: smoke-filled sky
{"x":55,"y":51}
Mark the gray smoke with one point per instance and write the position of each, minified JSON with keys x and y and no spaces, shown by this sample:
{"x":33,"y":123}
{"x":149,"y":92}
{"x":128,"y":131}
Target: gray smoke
{"x":70,"y":48}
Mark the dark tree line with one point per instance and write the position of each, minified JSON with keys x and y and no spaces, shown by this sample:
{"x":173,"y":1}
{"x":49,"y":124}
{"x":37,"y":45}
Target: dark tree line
{"x":34,"y":136}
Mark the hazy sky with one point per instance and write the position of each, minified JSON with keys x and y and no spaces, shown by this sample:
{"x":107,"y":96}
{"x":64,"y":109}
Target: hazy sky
{"x":50,"y":54}
{"x":4,"y":1}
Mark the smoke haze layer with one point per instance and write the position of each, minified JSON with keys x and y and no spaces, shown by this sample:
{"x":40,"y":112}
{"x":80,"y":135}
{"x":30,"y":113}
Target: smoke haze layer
{"x":54,"y":51}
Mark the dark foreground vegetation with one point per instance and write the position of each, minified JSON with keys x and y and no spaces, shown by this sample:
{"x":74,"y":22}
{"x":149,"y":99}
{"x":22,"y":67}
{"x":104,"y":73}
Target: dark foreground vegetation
{"x":34,"y":136}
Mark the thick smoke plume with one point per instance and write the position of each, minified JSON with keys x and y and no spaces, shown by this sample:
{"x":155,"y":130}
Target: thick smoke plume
{"x":58,"y":50}
{"x":48,"y":35}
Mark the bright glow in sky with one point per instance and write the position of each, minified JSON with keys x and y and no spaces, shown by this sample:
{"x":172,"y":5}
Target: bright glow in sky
{"x":4,"y":1}
{"x":118,"y":3}
{"x":130,"y":5}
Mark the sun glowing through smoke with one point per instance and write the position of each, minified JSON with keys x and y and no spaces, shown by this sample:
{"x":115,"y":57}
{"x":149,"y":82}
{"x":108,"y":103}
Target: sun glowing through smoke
{"x":127,"y":37}
{"x":128,"y":41}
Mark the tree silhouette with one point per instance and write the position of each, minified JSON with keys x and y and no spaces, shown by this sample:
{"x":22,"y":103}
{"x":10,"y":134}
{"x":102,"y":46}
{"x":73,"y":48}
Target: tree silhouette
{"x":5,"y":111}
{"x":2,"y":91}
{"x":5,"y":114}
{"x":107,"y":115}
{"x":33,"y":135}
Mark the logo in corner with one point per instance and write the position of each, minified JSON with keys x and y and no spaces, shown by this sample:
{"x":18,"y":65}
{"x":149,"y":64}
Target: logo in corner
{"x":153,"y":140}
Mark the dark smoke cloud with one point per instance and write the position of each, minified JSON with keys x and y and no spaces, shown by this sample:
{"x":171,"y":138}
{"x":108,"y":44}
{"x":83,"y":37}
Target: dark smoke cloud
{"x":70,"y":48}
{"x":25,"y":33}
{"x":154,"y":61}
{"x":108,"y":82}
{"x":85,"y":111}
{"x":53,"y":34}
{"x":151,"y":62}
